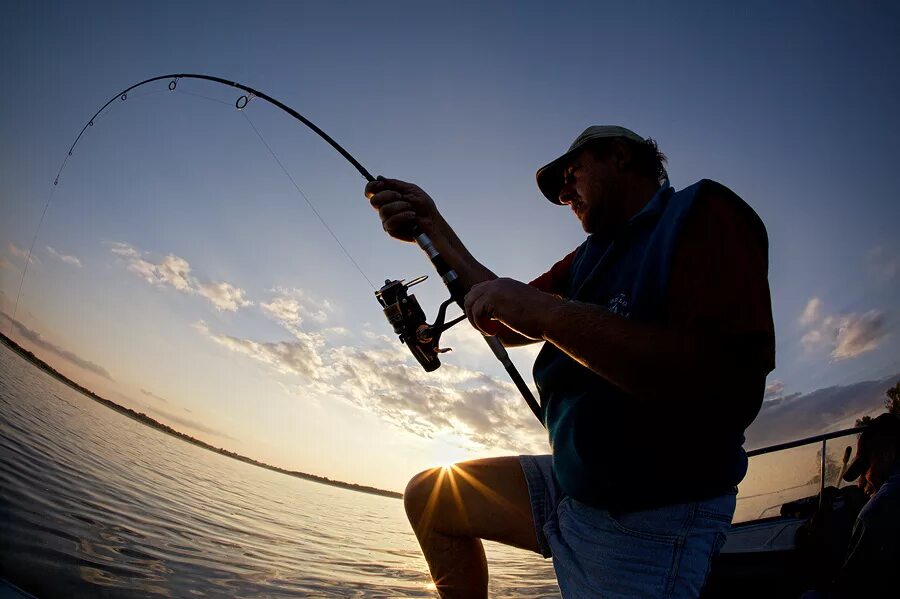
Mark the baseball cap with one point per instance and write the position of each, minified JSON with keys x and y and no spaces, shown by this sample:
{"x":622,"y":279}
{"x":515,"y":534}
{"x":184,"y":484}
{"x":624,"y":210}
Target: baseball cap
{"x":550,"y":176}
{"x":884,"y":426}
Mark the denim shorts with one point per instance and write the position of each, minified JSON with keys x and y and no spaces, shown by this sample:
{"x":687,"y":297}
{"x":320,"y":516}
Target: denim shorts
{"x":597,"y":553}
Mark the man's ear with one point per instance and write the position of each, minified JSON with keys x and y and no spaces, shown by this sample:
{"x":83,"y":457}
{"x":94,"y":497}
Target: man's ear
{"x":621,"y":155}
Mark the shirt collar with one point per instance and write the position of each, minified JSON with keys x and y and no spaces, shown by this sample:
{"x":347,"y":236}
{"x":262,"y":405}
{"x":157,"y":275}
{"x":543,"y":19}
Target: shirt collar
{"x":656,"y":204}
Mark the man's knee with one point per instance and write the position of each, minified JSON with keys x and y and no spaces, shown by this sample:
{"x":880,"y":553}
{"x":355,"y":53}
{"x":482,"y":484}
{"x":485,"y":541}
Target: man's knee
{"x":419,"y":491}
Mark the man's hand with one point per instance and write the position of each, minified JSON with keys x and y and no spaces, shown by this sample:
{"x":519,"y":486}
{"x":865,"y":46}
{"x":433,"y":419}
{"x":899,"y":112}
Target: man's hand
{"x":517,"y":305}
{"x":401,"y":206}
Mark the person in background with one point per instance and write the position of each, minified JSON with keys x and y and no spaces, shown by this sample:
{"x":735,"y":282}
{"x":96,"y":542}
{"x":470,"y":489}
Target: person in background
{"x":871,"y":566}
{"x":658,"y":336}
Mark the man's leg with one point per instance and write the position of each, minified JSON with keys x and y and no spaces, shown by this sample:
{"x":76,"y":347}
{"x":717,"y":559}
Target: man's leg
{"x":452,"y":508}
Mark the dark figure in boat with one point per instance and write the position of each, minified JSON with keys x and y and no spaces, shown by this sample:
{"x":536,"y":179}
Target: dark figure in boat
{"x":871,"y":564}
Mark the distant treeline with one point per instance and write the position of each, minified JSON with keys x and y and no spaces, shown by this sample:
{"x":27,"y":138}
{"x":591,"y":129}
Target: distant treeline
{"x":143,"y":418}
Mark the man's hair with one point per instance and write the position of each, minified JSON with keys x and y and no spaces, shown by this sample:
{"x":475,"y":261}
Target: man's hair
{"x":646,"y":158}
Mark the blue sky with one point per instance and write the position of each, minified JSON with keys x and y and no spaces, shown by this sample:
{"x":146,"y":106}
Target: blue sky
{"x":208,"y":293}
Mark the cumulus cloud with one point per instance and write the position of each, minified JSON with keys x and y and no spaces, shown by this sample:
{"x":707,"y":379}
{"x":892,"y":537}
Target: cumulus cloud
{"x":471,"y":404}
{"x":812,"y":312}
{"x":857,"y":333}
{"x":125,"y":250}
{"x":171,"y":271}
{"x":20,"y":253}
{"x":883,"y":263}
{"x":37,"y":340}
{"x":843,"y":335}
{"x":291,"y":307}
{"x":64,"y":257}
{"x":175,"y":272}
{"x":384,"y":379}
{"x":300,"y":356}
{"x":224,"y":296}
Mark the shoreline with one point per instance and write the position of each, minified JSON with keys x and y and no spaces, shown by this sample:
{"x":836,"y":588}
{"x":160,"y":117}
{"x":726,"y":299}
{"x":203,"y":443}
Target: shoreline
{"x":151,"y":422}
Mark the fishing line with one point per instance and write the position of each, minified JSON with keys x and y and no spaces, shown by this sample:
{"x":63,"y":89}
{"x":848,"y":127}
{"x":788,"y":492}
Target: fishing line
{"x":303,"y":195}
{"x":196,"y":95}
{"x":280,"y":164}
{"x":13,"y":321}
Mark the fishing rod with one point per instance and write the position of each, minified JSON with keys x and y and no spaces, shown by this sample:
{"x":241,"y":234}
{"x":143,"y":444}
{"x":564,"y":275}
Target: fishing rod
{"x":401,"y":308}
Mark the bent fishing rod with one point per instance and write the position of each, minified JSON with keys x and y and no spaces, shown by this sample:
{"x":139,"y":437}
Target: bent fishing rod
{"x":400,"y":307}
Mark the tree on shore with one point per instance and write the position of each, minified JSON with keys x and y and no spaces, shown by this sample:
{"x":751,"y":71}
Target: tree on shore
{"x":891,"y":404}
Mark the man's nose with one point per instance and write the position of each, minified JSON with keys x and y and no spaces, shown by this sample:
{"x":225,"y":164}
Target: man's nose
{"x":566,"y":194}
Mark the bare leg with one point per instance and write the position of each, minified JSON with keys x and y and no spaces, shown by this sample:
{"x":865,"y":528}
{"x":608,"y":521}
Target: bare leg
{"x":452,"y":509}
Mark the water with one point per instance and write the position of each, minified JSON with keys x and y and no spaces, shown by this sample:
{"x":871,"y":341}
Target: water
{"x":95,"y":504}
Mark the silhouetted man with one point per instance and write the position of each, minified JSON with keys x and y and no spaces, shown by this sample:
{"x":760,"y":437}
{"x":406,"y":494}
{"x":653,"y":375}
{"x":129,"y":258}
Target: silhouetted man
{"x":657,"y":335}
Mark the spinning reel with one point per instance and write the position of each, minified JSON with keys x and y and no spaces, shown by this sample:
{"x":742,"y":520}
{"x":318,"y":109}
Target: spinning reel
{"x":408,"y":319}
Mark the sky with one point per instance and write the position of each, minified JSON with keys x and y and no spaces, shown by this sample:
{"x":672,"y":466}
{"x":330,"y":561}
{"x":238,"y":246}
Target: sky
{"x":180,"y":272}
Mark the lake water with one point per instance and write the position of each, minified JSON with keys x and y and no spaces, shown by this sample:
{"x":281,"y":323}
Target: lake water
{"x":94,"y":504}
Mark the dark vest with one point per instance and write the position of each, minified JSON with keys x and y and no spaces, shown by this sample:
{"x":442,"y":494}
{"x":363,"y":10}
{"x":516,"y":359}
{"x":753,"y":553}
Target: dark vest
{"x":609,"y":449}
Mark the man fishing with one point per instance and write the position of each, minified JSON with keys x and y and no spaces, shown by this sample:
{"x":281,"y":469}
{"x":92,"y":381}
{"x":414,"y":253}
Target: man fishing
{"x":657,"y":335}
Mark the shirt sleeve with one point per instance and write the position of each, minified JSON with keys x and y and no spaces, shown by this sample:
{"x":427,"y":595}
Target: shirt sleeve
{"x":556,"y":280}
{"x":719,"y":280}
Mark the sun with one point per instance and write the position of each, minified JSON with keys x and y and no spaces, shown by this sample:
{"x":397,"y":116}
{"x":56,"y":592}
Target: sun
{"x":446,"y":452}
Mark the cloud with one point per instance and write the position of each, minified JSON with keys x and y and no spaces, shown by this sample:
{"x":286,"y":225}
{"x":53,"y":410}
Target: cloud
{"x":385,"y":380}
{"x":805,"y":414}
{"x":171,"y":271}
{"x":124,"y":250}
{"x":471,"y":404}
{"x":300,"y":357}
{"x":884,"y":264}
{"x":188,"y":422}
{"x":812,"y":312}
{"x":175,"y":272}
{"x":42,"y":344}
{"x":4,"y":263}
{"x":20,"y":253}
{"x":224,"y":296}
{"x":65,"y":258}
{"x":857,"y":333}
{"x":154,"y":396}
{"x":774,"y":390}
{"x":843,"y":335}
{"x":292,"y":307}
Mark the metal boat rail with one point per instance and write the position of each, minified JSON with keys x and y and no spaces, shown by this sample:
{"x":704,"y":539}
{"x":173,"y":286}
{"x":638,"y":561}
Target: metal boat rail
{"x":807,"y":441}
{"x":821,"y":438}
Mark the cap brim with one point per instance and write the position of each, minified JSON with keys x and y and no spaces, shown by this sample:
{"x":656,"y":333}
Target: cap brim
{"x":855,"y":469}
{"x":550,"y":176}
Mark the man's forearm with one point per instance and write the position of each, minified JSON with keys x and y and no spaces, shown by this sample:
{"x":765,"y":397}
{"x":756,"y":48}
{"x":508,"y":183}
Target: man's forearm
{"x":646,"y":361}
{"x":451,"y":247}
{"x":469,"y":270}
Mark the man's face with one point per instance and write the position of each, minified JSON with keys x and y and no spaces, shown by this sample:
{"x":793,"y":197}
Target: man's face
{"x":591,"y":187}
{"x":881,"y":459}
